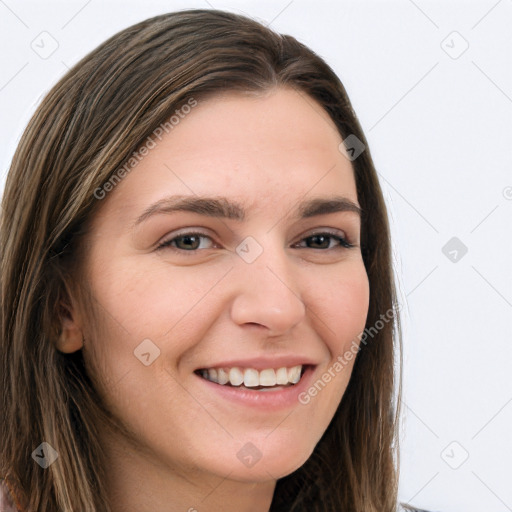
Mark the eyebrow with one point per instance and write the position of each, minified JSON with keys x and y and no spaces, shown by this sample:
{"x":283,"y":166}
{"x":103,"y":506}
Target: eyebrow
{"x":221,"y":207}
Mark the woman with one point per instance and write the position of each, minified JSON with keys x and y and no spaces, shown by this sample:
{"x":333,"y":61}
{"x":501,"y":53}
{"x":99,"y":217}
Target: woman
{"x":198,"y":310}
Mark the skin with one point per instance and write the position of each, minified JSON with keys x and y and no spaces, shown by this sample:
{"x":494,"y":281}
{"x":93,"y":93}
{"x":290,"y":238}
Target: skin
{"x":268,"y":152}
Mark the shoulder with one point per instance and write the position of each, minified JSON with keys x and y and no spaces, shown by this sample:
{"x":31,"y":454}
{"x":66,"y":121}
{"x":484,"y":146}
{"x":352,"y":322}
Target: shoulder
{"x":6,"y":499}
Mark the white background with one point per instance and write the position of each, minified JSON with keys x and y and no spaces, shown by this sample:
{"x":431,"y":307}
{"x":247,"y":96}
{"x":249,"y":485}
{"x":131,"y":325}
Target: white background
{"x":439,"y":126}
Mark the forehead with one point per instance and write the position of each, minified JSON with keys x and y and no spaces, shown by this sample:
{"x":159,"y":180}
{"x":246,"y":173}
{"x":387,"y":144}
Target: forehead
{"x":267,"y":151}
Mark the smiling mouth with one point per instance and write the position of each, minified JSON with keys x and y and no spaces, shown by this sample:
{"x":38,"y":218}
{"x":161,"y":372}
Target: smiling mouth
{"x":252,"y":379}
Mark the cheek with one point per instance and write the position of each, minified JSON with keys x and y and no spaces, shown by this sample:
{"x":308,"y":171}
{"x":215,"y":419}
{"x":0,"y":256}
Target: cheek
{"x":340,"y":310}
{"x":341,"y":306}
{"x":153,"y":300}
{"x":157,"y":303}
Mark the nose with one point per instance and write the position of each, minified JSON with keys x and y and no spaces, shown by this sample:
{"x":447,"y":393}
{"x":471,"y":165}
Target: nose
{"x":267,"y":293}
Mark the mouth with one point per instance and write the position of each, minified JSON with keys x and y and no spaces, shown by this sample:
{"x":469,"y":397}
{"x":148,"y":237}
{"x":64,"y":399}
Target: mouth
{"x":250,"y":379}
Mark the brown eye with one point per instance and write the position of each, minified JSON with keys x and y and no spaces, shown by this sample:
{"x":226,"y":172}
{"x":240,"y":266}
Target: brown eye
{"x":324,"y":240}
{"x":188,"y":242}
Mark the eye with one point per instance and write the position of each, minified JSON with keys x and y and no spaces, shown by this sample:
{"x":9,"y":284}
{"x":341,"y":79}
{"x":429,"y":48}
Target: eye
{"x":189,"y":242}
{"x":192,"y":242}
{"x":323,"y":240}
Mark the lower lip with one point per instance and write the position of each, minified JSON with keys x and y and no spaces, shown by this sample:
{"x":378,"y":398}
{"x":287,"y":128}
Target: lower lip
{"x":266,"y":400}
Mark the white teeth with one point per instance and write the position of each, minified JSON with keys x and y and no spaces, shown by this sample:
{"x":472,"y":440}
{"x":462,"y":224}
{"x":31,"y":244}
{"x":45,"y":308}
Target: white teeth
{"x":267,"y":378}
{"x":212,"y":375}
{"x":282,"y":376}
{"x":294,"y":374}
{"x":236,"y":377}
{"x":222,"y":376}
{"x":252,"y":378}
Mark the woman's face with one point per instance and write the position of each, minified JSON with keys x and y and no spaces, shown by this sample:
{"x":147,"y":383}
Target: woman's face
{"x":223,"y":254}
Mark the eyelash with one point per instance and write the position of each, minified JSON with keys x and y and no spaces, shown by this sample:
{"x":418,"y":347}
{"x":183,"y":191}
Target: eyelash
{"x":343,"y":243}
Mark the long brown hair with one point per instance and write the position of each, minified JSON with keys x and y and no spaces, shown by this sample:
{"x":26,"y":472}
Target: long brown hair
{"x":87,"y":126}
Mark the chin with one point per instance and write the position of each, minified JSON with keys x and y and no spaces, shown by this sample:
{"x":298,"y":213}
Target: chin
{"x":272,"y":465}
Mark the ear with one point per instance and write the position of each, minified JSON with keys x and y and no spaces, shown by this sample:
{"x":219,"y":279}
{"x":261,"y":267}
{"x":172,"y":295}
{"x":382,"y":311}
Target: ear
{"x":71,"y":334}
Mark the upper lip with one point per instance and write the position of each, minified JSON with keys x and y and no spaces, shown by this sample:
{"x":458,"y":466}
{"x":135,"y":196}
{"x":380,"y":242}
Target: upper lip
{"x":262,"y":363}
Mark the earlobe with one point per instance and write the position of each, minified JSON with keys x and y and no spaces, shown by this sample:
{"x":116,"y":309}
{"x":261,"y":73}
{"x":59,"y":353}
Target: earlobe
{"x":71,"y":337}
